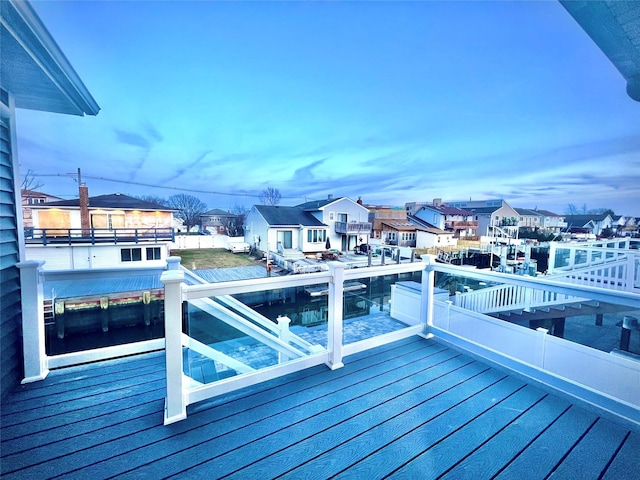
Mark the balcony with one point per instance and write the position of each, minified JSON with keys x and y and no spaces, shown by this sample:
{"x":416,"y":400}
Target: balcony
{"x":429,"y":397}
{"x":74,"y":236}
{"x":353,"y":228}
{"x":453,"y":225}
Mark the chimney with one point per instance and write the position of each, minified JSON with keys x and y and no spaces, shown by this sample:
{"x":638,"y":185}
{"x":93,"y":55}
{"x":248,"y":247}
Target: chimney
{"x":359,"y":202}
{"x":437,"y":202}
{"x":85,"y":220}
{"x":330,"y":196}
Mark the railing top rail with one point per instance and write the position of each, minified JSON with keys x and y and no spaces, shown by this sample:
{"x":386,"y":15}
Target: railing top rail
{"x":254,"y":285}
{"x":594,"y":293}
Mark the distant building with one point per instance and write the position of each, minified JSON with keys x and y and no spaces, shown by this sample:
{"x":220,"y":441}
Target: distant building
{"x":106,"y":231}
{"x":495,"y":217}
{"x":31,"y":197}
{"x":222,"y":222}
{"x":315,"y":226}
{"x":384,"y":213}
{"x":460,"y":222}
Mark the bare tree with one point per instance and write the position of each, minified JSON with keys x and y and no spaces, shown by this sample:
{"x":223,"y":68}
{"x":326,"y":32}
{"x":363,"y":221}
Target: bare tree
{"x":270,"y":196}
{"x":29,"y":181}
{"x":188,"y":209}
{"x":571,"y":209}
{"x":234,"y":226}
{"x":153,"y":199}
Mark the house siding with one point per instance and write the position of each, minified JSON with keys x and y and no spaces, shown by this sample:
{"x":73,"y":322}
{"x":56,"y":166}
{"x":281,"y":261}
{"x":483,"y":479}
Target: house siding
{"x":10,"y":300}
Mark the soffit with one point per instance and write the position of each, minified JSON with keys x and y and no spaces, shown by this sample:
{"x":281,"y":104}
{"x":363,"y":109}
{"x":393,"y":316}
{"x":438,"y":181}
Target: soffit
{"x":34,"y":69}
{"x":615,"y":28}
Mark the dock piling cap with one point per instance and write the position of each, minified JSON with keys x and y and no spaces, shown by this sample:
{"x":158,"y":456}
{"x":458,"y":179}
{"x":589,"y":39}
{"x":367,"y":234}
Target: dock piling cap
{"x":630,"y":323}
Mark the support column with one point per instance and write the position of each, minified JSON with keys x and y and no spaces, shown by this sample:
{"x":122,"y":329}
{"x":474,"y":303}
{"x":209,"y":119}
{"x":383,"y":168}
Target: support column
{"x":334,"y":327}
{"x":175,"y":408}
{"x":33,"y":347}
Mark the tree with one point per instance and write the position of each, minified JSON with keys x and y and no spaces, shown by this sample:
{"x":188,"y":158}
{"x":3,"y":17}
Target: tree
{"x":571,"y":209}
{"x":270,"y":196}
{"x":188,"y":209}
{"x":29,"y":181}
{"x":153,"y":199}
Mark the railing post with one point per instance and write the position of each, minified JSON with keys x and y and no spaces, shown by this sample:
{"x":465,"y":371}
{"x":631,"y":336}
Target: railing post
{"x":334,"y":327}
{"x":175,"y":408}
{"x":173,"y":263}
{"x":33,"y":335}
{"x":426,"y":297}
{"x":285,"y":335}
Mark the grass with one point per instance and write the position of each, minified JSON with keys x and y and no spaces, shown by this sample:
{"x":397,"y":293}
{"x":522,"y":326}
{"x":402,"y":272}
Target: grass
{"x":204,"y":258}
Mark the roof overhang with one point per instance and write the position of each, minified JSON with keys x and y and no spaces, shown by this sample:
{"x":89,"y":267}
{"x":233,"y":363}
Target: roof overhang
{"x":33,"y":68}
{"x":615,"y":28}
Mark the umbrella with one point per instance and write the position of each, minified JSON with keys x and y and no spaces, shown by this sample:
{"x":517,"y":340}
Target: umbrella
{"x":327,"y":245}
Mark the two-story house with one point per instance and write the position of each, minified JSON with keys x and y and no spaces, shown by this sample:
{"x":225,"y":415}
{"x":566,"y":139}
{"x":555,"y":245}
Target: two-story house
{"x":222,"y":222}
{"x":495,"y":217}
{"x":105,"y":231}
{"x":348,"y":220}
{"x":309,"y":228}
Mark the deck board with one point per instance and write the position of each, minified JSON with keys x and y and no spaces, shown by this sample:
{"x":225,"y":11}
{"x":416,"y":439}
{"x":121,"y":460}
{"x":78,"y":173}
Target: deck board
{"x":547,"y":450}
{"x":411,"y":409}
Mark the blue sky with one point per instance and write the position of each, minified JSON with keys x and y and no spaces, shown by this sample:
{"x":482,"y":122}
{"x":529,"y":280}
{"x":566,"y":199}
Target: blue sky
{"x":390,"y":101}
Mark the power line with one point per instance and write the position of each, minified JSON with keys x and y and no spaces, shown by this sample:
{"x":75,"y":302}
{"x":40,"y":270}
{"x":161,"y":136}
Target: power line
{"x":192,"y":190}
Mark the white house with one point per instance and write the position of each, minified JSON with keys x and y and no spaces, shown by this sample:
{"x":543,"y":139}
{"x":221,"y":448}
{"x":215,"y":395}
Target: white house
{"x":348,"y":221}
{"x":308,"y":228}
{"x":106,"y":231}
{"x":286,"y":230}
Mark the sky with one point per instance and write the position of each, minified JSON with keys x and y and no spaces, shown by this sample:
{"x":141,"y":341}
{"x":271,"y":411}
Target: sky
{"x":392,"y":102}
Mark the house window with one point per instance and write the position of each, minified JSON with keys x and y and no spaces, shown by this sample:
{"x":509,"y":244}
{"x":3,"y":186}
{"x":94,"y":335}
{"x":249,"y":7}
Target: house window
{"x":330,"y":215}
{"x":153,"y":253}
{"x":316,"y":235}
{"x":131,"y":254}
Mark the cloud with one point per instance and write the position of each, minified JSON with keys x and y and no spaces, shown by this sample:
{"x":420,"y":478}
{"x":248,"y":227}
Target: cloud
{"x":132,"y":138}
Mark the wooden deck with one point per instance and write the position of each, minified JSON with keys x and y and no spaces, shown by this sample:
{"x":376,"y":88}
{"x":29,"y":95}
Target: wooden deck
{"x":412,"y":409}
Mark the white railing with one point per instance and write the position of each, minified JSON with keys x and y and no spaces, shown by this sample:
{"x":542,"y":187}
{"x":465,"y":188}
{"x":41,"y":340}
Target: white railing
{"x":182,"y":390}
{"x":509,"y":297}
{"x":607,"y":264}
{"x":37,"y":362}
{"x":584,"y":372}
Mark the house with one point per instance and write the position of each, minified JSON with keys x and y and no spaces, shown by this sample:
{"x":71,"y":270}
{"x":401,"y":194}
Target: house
{"x":104,"y":231}
{"x":35,"y":75}
{"x":529,"y":219}
{"x":286,"y":230}
{"x":31,"y":197}
{"x":589,"y":223}
{"x":460,"y":222}
{"x":348,"y":220}
{"x":552,"y":222}
{"x":402,"y":234}
{"x":222,"y":222}
{"x":382,"y":213}
{"x":495,"y":217}
{"x":430,"y":236}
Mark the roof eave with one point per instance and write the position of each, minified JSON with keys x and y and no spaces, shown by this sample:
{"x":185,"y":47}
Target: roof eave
{"x":27,"y":46}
